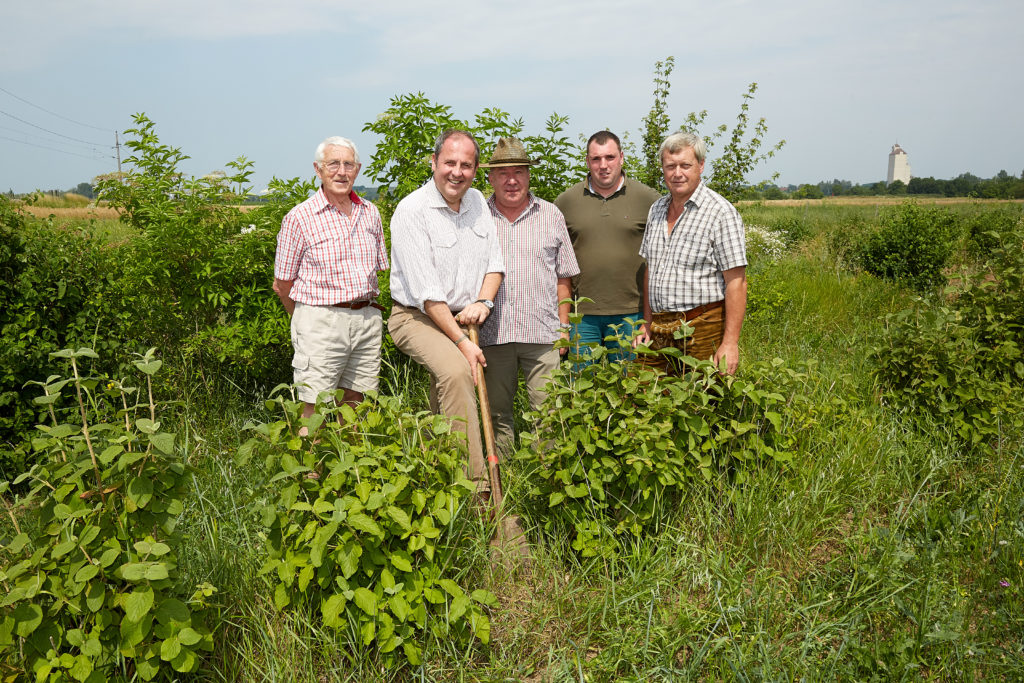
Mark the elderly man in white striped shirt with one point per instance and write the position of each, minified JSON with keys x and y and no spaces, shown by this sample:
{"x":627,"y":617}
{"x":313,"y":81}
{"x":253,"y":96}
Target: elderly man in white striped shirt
{"x":539,"y":266}
{"x":446,"y":269}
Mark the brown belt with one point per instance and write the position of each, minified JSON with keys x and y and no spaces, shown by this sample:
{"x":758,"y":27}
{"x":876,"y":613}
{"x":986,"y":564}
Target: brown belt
{"x":356,"y":305}
{"x":701,"y":310}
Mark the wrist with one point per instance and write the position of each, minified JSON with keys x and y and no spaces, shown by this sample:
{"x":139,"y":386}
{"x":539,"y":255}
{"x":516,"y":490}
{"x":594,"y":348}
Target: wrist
{"x":461,"y":339}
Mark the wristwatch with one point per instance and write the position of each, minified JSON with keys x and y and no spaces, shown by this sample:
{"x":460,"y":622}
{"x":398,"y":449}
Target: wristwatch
{"x":486,"y":302}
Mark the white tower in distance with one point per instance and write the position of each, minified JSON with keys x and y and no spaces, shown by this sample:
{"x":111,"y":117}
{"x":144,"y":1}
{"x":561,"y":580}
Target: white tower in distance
{"x":899,"y":166}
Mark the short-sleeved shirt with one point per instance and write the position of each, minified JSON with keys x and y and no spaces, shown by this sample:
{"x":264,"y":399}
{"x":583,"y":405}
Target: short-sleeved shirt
{"x":537,"y":253}
{"x":684,"y":269}
{"x":606,"y":234}
{"x":331,"y":257}
{"x":438,"y":254}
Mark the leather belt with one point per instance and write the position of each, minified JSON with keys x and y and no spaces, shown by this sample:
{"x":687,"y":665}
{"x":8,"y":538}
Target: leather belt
{"x":701,"y":310}
{"x":356,"y":305}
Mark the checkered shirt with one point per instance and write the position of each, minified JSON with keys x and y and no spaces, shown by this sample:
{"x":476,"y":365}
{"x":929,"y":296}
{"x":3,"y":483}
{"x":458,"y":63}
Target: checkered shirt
{"x":439,"y":254}
{"x":684,"y":269}
{"x":331,"y":257}
{"x":537,"y":253}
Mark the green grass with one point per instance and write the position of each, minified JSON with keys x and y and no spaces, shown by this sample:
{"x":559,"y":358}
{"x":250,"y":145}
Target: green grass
{"x":881,"y":553}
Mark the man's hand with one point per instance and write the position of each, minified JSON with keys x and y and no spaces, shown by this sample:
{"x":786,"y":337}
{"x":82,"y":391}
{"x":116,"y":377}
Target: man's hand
{"x":473,"y":355}
{"x":731,"y":354}
{"x":565,"y":349}
{"x":644,"y":337}
{"x":473,"y":314}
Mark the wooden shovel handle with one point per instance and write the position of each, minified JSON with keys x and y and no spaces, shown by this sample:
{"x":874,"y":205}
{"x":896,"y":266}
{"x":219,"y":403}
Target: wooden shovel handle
{"x":485,"y":419}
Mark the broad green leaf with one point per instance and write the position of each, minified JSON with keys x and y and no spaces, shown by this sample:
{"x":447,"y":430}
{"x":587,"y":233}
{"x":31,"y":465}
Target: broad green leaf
{"x":323,"y":536}
{"x":28,"y":617}
{"x":164,"y":442}
{"x":332,"y":609}
{"x":368,"y":630}
{"x":95,"y":596}
{"x":133,"y":571}
{"x":157,"y":572}
{"x":186,"y":661}
{"x":138,"y":603}
{"x":86,"y":572}
{"x":140,"y":491}
{"x":148,"y":668}
{"x":399,"y":606}
{"x":170,"y":648}
{"x":147,"y":426}
{"x":458,"y":607}
{"x":134,"y":632}
{"x":400,"y":517}
{"x":481,"y":626}
{"x":188,"y":636}
{"x":173,"y":611}
{"x":281,"y":598}
{"x":365,"y":600}
{"x":401,"y":560}
{"x":361,"y":522}
{"x":81,"y":669}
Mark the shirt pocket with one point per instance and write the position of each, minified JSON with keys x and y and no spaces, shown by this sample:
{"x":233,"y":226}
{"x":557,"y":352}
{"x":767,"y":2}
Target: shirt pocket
{"x":444,"y":238}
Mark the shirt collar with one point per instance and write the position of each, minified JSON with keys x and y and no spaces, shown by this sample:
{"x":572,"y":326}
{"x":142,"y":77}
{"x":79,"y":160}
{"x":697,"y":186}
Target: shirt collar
{"x":590,"y":188}
{"x":322,"y":202}
{"x":530,"y":206}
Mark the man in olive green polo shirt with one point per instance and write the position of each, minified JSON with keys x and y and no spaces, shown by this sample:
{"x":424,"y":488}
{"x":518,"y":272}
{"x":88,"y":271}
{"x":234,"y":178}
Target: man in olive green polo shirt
{"x":606,"y":215}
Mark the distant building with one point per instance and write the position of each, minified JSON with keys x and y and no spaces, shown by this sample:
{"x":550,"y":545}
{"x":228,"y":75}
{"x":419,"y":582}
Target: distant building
{"x":899,"y":166}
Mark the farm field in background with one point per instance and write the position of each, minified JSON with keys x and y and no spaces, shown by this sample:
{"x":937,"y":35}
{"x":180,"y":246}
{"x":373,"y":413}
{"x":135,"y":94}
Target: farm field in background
{"x":884,"y":542}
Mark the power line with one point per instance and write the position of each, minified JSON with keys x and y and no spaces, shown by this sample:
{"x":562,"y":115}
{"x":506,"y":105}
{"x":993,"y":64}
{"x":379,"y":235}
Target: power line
{"x":52,"y":113}
{"x":62,"y":151}
{"x":88,"y":142}
{"x":40,"y":137}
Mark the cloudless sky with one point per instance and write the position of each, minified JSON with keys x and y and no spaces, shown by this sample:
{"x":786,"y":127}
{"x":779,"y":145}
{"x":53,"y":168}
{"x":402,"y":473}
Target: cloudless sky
{"x":839,"y":81}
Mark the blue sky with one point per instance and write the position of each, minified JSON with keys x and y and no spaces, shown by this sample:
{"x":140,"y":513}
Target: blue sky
{"x":840,"y":82}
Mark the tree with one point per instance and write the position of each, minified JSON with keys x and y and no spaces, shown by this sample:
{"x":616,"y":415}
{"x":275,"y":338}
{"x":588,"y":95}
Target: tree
{"x":656,"y":125}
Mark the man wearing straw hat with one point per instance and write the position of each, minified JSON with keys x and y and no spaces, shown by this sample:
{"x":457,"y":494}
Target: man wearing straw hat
{"x":446,"y":270}
{"x":539,"y":264}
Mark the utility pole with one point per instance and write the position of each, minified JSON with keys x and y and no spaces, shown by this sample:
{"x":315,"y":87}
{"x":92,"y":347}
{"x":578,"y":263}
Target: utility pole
{"x":117,"y":146}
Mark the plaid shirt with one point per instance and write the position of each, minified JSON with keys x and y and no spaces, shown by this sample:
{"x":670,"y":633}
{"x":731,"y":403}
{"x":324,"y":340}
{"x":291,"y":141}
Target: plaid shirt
{"x":331,"y":257}
{"x":684,"y":269}
{"x":440,"y":254}
{"x":537,"y":253}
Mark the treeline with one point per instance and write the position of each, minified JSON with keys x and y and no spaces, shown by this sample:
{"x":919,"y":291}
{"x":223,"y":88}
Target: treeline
{"x":1000,"y":186}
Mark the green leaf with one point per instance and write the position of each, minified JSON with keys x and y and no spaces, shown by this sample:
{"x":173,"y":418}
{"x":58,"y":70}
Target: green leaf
{"x":157,"y":572}
{"x":332,"y":609}
{"x":147,"y":426}
{"x":170,"y":648}
{"x":458,"y":607}
{"x":81,"y":669}
{"x":323,"y":535}
{"x":361,"y":522}
{"x":281,"y":598}
{"x":138,"y":603}
{"x":164,"y":442}
{"x":173,"y":611}
{"x":133,"y":571}
{"x":365,"y":600}
{"x":28,"y":616}
{"x":148,"y":668}
{"x":186,"y":661}
{"x":188,"y":636}
{"x":86,"y":572}
{"x":400,"y":517}
{"x":140,"y":491}
{"x":95,"y":596}
{"x":401,"y":560}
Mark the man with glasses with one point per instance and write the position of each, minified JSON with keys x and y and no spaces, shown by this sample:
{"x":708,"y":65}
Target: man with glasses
{"x":329,"y":252}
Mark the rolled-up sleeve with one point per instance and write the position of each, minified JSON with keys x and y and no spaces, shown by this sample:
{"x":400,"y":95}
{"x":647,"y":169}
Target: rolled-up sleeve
{"x":290,"y":246}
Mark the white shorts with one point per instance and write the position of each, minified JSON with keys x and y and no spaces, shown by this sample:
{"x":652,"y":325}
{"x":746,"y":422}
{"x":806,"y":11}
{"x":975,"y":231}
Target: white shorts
{"x":335,"y":348}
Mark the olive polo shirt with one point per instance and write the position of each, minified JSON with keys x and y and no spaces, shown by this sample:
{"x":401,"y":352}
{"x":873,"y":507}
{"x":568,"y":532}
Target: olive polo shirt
{"x":606,"y":235}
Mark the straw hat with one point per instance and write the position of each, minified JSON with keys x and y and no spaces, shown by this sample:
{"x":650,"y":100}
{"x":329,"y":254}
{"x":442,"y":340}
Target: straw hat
{"x":509,"y":152}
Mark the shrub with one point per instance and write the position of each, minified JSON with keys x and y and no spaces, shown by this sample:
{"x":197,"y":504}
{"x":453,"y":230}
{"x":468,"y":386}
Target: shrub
{"x":52,"y":292}
{"x":92,"y":582}
{"x":364,"y":521}
{"x":912,"y":245}
{"x":613,"y":445}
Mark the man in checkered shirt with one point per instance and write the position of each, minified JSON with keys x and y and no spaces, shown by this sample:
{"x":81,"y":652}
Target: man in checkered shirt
{"x":329,"y":252}
{"x":539,"y":267}
{"x":696,"y":263}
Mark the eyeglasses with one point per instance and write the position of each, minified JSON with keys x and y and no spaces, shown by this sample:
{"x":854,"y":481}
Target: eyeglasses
{"x":333,"y":166}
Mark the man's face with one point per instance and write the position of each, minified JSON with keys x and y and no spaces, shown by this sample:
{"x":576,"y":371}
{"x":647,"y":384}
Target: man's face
{"x":605,"y":164}
{"x":454,"y":169}
{"x":337,"y":171}
{"x":511,"y":186}
{"x":682,"y":172}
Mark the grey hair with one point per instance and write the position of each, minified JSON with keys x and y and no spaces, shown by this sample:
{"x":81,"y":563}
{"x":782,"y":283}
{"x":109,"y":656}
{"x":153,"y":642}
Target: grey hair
{"x":680,"y":141}
{"x":452,"y":132}
{"x":335,"y":141}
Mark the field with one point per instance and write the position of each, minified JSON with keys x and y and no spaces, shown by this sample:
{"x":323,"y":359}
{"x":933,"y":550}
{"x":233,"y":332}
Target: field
{"x":883,"y":543}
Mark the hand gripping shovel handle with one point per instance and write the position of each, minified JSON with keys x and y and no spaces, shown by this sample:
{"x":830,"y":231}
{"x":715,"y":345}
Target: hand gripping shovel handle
{"x":485,"y":419}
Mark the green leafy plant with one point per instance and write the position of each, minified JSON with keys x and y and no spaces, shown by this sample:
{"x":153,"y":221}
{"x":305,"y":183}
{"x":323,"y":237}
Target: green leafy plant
{"x":912,"y":245}
{"x":614,"y":444}
{"x":365,"y":521}
{"x":91,"y":581}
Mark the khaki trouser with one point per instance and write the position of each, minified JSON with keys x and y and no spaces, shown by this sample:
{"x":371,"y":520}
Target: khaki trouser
{"x":452,"y":391}
{"x":707,"y":335}
{"x":537,"y":361}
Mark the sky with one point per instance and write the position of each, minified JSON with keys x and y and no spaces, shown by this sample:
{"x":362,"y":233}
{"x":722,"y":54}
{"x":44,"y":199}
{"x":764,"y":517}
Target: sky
{"x":265,"y":79}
